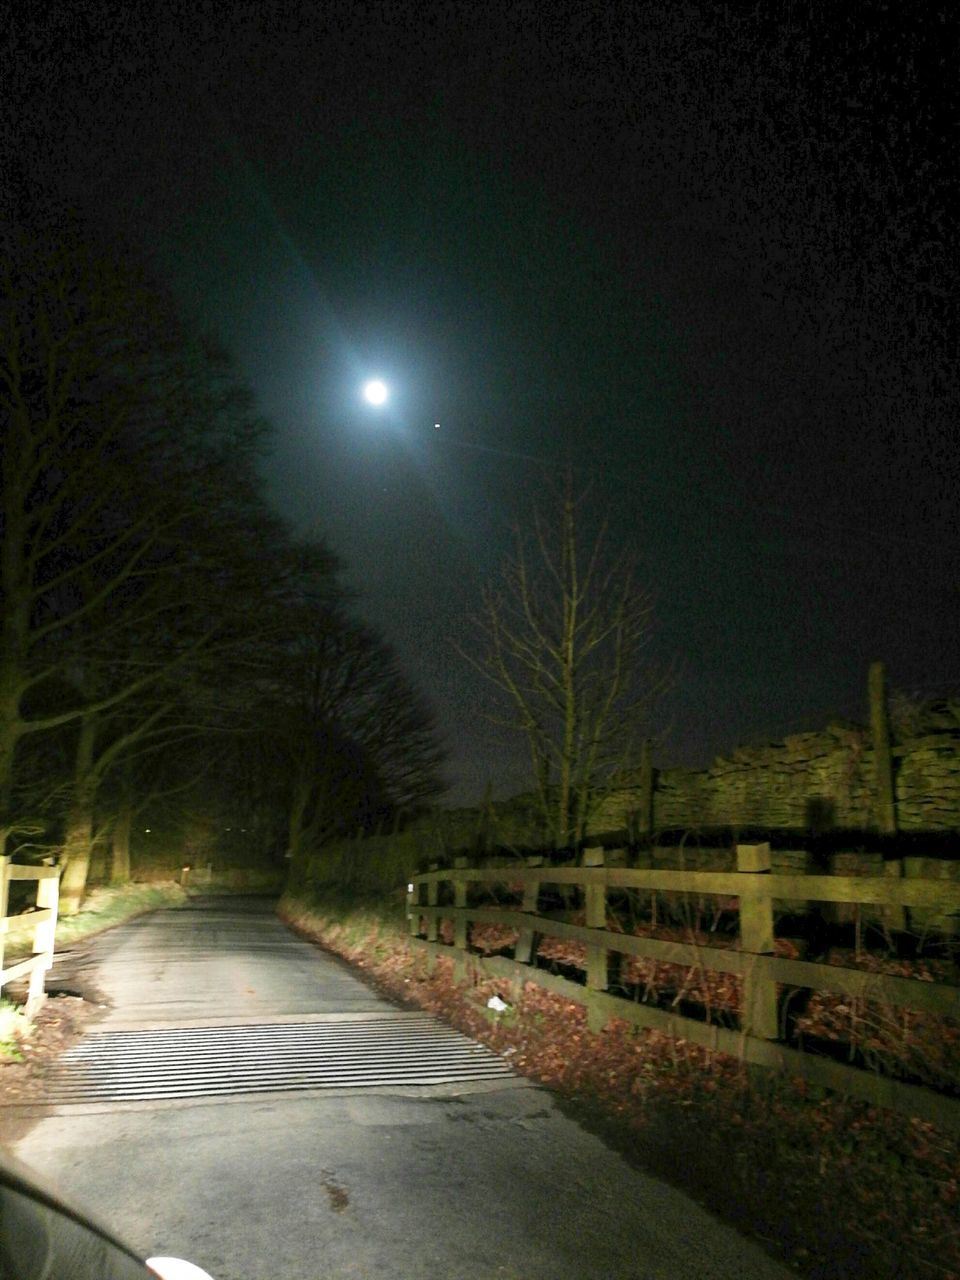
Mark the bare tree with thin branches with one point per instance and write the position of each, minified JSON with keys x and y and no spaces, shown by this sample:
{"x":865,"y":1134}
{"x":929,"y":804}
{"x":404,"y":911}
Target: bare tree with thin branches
{"x":566,"y":633}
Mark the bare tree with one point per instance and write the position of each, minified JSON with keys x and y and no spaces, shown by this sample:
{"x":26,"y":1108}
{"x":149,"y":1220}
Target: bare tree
{"x":150,"y":600}
{"x":130,"y":523}
{"x":566,"y":631}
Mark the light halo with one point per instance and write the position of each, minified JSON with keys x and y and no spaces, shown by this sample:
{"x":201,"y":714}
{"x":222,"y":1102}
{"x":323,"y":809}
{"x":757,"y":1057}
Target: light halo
{"x":375,"y":392}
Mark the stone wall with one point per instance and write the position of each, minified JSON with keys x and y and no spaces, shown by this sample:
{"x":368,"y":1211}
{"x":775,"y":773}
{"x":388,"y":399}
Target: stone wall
{"x":818,"y":784}
{"x":809,"y":785}
{"x":810,"y":782}
{"x":927,"y":782}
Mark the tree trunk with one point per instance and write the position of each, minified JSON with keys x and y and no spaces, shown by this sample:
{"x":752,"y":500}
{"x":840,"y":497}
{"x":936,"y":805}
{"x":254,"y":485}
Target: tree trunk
{"x":298,"y":812}
{"x":13,"y":629}
{"x":570,"y":749}
{"x":120,"y":842}
{"x":7,"y":750}
{"x":77,"y":847}
{"x":78,"y":834}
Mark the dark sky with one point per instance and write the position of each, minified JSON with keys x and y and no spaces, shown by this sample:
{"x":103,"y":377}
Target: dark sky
{"x":708,"y":251}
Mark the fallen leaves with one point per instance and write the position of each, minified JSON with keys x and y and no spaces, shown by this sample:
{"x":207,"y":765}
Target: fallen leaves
{"x":836,"y":1182}
{"x":897,"y":1041}
{"x":58,"y":1024}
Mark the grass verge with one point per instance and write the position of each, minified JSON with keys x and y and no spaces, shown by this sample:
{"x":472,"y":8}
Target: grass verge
{"x":109,"y":906}
{"x":835,"y":1188}
{"x":15,"y":1027}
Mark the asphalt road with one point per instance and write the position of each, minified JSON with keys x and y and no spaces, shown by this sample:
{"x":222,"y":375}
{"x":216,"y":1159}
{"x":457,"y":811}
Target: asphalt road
{"x":468,"y":1180}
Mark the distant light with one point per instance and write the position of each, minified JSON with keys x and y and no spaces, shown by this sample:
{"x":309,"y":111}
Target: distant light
{"x":146,"y":831}
{"x":375,"y":391}
{"x":436,"y":426}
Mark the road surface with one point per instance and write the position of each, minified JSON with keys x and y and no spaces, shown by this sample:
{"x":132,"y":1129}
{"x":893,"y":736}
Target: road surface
{"x":399,"y":1154}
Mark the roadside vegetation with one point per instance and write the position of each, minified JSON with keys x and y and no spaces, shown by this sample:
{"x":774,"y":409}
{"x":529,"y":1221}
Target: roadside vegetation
{"x":836,"y":1188}
{"x":110,"y":905}
{"x":14,"y":1029}
{"x":105,"y":907}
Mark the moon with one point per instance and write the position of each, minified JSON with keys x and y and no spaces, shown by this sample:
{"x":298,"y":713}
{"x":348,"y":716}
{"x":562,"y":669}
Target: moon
{"x":375,"y":391}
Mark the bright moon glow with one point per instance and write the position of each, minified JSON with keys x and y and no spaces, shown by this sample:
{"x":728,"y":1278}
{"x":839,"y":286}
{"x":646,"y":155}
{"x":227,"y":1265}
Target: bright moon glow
{"x":375,"y":391}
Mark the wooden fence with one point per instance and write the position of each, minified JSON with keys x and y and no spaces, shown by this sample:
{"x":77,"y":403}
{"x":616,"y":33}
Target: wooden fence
{"x":42,"y":920}
{"x":758,"y":1041}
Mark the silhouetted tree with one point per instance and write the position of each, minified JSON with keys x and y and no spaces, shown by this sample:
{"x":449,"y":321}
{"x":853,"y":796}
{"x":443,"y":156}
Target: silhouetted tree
{"x":565,"y":633}
{"x":355,"y":742}
{"x":150,"y":600}
{"x":137,"y":554}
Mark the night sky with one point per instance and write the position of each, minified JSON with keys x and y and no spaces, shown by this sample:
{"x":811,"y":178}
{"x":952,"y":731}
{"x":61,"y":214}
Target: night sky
{"x":706,"y":251}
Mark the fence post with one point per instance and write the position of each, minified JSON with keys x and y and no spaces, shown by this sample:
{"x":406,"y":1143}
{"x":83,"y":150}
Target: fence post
{"x":523,"y":951}
{"x":460,"y":902}
{"x":413,"y":905}
{"x":645,"y":814}
{"x":756,"y":939}
{"x":595,"y":901}
{"x":885,"y":810}
{"x":5,"y":861}
{"x":894,"y":916}
{"x":48,"y":898}
{"x":433,"y":889}
{"x":460,"y":922}
{"x":44,"y":938}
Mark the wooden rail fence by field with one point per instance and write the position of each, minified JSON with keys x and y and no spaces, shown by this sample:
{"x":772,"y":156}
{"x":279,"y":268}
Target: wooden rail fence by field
{"x":42,"y":920}
{"x":758,"y":1040}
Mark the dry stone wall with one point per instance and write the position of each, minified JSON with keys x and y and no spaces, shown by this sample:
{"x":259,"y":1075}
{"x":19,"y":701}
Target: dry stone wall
{"x":810,"y":782}
{"x":927,"y":779}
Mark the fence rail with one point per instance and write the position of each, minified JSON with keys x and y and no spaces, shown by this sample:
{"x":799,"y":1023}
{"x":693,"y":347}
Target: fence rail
{"x":42,"y":920}
{"x":755,"y":890}
{"x":870,"y":890}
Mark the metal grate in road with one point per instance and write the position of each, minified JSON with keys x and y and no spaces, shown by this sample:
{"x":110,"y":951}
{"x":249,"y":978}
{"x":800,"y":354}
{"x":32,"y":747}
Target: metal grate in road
{"x":194,"y":1062}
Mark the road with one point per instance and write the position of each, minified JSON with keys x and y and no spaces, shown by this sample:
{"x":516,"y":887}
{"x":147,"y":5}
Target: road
{"x":459,"y":1178}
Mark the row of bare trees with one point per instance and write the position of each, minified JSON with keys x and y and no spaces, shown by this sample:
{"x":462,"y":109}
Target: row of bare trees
{"x":161,"y":632}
